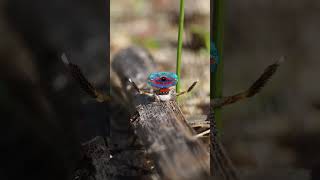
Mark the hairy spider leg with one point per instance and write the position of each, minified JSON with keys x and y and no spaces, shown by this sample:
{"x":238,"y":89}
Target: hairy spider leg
{"x":134,"y":85}
{"x":82,"y":80}
{"x":253,"y":89}
{"x":188,"y":90}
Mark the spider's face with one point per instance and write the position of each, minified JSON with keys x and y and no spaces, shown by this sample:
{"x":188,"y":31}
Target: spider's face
{"x":162,"y":80}
{"x":163,"y":84}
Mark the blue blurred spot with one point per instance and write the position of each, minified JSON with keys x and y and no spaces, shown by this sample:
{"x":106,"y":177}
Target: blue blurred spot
{"x":214,"y":57}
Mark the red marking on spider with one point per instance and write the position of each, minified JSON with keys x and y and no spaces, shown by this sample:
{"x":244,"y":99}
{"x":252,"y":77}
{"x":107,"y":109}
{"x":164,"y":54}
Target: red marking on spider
{"x":164,"y":90}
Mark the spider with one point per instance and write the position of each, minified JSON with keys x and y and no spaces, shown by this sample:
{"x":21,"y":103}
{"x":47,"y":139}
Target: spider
{"x":162,"y":84}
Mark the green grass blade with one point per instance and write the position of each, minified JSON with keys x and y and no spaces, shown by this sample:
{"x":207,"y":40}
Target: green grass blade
{"x":216,"y":85}
{"x":179,"y":49}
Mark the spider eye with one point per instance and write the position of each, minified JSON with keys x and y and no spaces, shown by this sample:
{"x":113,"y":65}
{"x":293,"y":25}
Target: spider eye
{"x":163,"y":78}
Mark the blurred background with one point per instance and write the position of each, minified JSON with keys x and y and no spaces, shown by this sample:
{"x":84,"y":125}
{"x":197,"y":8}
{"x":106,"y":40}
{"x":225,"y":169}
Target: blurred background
{"x":153,"y":25}
{"x":45,"y":115}
{"x":275,"y":133}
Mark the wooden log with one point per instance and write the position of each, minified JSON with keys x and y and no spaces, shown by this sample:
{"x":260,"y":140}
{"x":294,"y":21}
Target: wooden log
{"x":96,"y":152}
{"x":221,"y":166}
{"x":99,"y":162}
{"x":135,"y":63}
{"x":112,"y":157}
{"x":165,"y":133}
{"x":161,"y":126}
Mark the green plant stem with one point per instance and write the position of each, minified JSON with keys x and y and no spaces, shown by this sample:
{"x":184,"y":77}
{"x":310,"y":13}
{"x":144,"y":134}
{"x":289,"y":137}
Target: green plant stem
{"x":217,"y":33}
{"x":179,"y":49}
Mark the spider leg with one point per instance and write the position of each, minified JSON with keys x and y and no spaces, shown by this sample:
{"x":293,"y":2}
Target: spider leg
{"x":254,"y":88}
{"x":82,"y":80}
{"x":134,"y":85}
{"x":189,"y":89}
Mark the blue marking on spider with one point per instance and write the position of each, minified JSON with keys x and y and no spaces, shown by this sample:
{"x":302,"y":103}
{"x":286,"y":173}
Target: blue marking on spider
{"x":162,"y":79}
{"x":214,"y":57}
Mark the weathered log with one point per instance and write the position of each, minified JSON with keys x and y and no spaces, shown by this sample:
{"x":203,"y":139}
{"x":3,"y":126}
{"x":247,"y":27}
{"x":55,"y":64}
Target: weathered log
{"x":164,"y":131}
{"x":97,"y":156}
{"x":135,"y":63}
{"x":221,"y":167}
{"x":161,"y":126}
{"x":99,"y":162}
{"x":112,"y":157}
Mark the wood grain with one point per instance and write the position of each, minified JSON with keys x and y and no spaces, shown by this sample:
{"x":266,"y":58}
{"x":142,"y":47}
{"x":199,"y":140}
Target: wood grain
{"x":165,"y":133}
